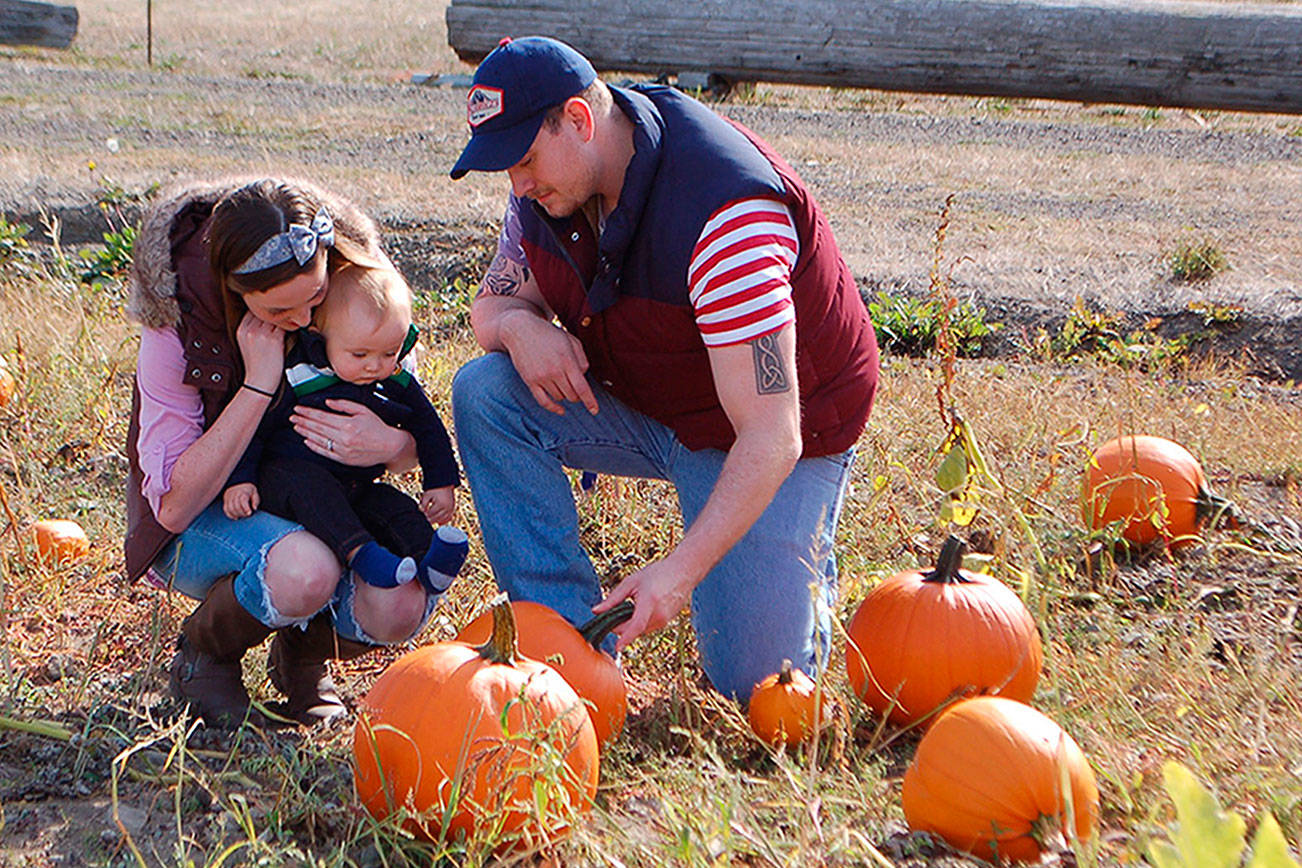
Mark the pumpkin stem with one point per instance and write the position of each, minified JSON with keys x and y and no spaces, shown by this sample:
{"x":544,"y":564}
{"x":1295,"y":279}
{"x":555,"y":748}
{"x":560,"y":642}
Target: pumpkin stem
{"x":1209,"y":506}
{"x":1047,"y":832}
{"x":784,"y":674}
{"x":948,"y":563}
{"x":595,"y":631}
{"x":501,"y":646}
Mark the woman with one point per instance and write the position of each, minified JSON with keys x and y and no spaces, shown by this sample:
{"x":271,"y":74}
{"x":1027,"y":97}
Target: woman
{"x":221,"y":273}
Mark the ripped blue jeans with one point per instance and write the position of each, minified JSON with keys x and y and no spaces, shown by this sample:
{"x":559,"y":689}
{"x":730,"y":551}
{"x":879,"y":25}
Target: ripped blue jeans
{"x":214,"y":546}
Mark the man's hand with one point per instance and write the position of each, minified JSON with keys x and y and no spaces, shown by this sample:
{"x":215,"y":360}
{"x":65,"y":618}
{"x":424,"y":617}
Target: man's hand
{"x":439,"y":505}
{"x":240,"y":500}
{"x":550,"y":361}
{"x":660,"y":591}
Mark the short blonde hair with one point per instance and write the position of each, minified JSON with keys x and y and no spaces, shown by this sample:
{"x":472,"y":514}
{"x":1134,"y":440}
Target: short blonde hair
{"x":379,"y":290}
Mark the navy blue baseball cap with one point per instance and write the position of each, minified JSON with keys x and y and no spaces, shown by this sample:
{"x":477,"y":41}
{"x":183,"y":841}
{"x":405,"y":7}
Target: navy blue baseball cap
{"x":513,"y":89}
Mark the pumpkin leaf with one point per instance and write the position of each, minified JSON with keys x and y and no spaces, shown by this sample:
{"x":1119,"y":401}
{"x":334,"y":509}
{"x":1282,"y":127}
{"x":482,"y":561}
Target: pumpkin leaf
{"x":952,"y":474}
{"x":1205,"y":836}
{"x":960,"y":513}
{"x":1269,"y":849}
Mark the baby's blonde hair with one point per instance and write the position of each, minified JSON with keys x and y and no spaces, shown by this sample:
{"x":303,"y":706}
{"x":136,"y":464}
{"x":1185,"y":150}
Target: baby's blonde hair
{"x":379,"y":290}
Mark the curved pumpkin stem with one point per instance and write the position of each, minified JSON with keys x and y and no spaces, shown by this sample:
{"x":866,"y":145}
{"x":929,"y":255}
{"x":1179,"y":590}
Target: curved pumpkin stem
{"x":784,"y":674}
{"x":1209,"y":506}
{"x":595,"y":631}
{"x":948,"y":563}
{"x":501,"y":646}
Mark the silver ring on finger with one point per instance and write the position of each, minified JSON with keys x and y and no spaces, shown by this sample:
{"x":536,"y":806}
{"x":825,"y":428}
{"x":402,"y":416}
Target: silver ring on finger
{"x":330,"y":445}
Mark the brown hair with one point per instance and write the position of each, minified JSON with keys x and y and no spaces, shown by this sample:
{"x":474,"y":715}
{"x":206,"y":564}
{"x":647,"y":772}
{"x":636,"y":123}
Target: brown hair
{"x":247,"y":216}
{"x":597,"y":96}
{"x":377,"y":289}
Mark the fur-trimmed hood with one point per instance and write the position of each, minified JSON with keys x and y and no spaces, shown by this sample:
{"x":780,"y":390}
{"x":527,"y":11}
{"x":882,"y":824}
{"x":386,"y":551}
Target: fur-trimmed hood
{"x":152,"y":294}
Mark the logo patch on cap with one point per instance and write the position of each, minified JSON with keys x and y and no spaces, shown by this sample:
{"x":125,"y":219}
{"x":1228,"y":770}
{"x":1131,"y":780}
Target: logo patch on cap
{"x":483,"y":103}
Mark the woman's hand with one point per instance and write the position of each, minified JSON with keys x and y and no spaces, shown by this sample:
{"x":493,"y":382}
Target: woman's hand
{"x":352,"y":434}
{"x":262,"y":346}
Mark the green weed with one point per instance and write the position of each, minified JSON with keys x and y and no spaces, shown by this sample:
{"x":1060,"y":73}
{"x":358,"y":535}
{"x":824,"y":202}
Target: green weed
{"x":1207,"y":837}
{"x":909,"y":325}
{"x":14,"y":250}
{"x":1105,"y":336}
{"x":1196,"y":259}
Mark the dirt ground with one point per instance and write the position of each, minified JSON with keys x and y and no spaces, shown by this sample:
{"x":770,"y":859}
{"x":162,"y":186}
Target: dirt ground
{"x":1053,"y":202}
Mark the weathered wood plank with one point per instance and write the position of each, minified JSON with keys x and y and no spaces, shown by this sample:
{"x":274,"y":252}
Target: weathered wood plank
{"x":1195,"y":55}
{"x":43,"y":24}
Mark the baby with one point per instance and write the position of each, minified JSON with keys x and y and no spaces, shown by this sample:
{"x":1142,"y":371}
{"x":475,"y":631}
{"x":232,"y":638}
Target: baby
{"x":357,"y":349}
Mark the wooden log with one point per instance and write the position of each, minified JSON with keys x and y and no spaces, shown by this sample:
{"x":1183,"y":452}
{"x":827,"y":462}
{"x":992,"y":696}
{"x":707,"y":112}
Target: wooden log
{"x":1146,"y":52}
{"x":43,"y":24}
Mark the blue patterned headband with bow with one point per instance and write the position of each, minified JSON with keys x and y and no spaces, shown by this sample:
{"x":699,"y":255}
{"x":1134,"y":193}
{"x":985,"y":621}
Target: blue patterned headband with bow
{"x":298,"y":242}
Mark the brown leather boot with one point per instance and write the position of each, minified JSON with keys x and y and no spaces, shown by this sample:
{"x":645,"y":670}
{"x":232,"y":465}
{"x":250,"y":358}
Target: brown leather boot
{"x":206,"y":669}
{"x":297,"y":666}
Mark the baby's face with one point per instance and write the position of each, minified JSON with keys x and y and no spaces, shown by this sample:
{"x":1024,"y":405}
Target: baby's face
{"x":363,"y":349}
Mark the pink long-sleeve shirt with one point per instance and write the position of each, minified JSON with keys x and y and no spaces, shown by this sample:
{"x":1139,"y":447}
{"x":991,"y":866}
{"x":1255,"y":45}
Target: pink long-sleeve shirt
{"x":171,"y":412}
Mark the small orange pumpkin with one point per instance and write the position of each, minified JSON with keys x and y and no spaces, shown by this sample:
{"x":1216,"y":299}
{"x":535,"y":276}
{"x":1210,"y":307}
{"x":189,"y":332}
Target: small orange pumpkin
{"x":989,"y":776}
{"x":783,"y":708}
{"x":1154,"y":486}
{"x":918,"y":638}
{"x":476,"y":739}
{"x":8,"y":385}
{"x":59,"y":540}
{"x":576,"y":654}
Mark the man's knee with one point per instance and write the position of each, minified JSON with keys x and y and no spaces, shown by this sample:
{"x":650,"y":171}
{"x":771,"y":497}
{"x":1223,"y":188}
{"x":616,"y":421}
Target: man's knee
{"x":485,"y":376}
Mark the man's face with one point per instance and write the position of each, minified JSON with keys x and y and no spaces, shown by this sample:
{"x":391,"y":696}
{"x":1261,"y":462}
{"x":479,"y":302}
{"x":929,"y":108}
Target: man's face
{"x":554,"y":172}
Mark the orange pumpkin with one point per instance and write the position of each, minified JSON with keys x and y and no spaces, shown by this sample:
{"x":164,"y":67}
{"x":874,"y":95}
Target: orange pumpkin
{"x":919,"y":639}
{"x":1154,"y":487}
{"x":59,"y":540}
{"x":989,"y":777}
{"x":783,"y":707}
{"x":430,"y":738}
{"x":8,"y":385}
{"x":545,"y":635}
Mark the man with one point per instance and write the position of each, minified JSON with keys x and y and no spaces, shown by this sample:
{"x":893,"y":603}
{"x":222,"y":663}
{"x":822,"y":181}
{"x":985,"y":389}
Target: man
{"x":709,"y":334}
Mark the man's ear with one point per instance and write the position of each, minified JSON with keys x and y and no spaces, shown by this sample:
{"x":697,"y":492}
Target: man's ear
{"x":578,"y":112}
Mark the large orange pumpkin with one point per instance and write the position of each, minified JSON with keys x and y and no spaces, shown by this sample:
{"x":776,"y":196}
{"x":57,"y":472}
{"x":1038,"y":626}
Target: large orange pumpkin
{"x":430,"y":738}
{"x":1154,"y":487}
{"x":784,"y":707}
{"x":919,"y":639}
{"x":545,"y":635}
{"x":990,"y":777}
{"x":59,"y":540}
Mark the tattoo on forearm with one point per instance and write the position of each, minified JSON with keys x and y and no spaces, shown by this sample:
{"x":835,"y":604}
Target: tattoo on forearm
{"x":504,"y":279}
{"x":770,"y":374}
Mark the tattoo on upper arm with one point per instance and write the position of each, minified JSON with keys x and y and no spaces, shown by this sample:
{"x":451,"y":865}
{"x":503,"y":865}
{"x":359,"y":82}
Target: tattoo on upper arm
{"x":770,"y":374}
{"x":504,"y":278}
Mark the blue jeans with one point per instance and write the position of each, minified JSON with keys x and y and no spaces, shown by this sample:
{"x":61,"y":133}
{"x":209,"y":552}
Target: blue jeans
{"x":214,"y":546}
{"x":771,"y":597}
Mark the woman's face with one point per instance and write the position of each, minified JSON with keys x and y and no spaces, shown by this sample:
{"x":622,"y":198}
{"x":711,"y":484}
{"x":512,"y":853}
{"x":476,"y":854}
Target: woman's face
{"x":289,"y":304}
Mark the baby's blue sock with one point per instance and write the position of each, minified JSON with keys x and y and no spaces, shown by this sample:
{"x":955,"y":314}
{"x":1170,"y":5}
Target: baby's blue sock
{"x":376,"y":565}
{"x":444,"y":559}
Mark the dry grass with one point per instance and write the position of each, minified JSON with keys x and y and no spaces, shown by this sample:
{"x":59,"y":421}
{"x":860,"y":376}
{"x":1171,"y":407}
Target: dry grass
{"x":1140,"y":668}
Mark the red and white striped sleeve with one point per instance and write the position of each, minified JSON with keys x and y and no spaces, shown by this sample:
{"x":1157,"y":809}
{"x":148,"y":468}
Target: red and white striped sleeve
{"x":739,"y":279}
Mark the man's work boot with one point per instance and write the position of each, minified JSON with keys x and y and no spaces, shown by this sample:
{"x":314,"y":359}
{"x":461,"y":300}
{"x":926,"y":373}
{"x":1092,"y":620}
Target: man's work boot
{"x":297,"y":666}
{"x":206,"y":669}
